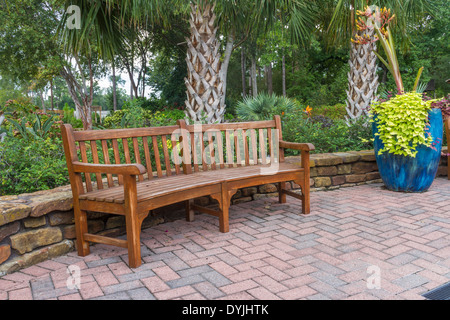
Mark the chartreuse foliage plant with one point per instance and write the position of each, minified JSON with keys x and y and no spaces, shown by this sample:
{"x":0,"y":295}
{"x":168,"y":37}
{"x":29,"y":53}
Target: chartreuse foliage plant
{"x":402,"y":122}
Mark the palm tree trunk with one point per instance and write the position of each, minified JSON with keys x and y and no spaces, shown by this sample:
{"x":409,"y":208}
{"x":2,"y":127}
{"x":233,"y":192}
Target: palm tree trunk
{"x":243,"y":69}
{"x":362,"y":79}
{"x":283,"y":72}
{"x":114,"y":86}
{"x":253,"y":76}
{"x":204,"y":82}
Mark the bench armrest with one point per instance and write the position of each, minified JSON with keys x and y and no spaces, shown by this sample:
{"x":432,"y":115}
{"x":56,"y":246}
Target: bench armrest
{"x":297,"y":146}
{"x":123,"y":169}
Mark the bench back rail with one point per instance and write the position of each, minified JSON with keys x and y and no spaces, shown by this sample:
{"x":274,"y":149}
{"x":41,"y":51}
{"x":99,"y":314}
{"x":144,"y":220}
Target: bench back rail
{"x":161,"y":150}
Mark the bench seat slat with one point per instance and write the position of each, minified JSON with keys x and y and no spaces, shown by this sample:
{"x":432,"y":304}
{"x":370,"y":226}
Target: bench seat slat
{"x":157,"y":187}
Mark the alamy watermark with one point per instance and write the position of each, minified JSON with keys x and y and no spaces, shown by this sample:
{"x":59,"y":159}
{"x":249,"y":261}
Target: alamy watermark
{"x":226,"y":147}
{"x":73,"y":17}
{"x":374,"y":277}
{"x":74,"y":279}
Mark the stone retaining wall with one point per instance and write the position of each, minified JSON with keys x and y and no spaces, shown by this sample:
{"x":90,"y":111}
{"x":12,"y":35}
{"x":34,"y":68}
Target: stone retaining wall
{"x":39,"y":226}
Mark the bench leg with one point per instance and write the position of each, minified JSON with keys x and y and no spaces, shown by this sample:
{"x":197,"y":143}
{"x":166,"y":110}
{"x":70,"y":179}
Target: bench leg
{"x":224,"y":222}
{"x":133,"y":225}
{"x":281,"y":195}
{"x":189,"y":211}
{"x":81,"y":228}
{"x":134,"y":240}
{"x":224,"y":207}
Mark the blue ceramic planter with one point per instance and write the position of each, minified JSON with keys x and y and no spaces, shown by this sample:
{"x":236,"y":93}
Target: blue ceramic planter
{"x":408,"y":174}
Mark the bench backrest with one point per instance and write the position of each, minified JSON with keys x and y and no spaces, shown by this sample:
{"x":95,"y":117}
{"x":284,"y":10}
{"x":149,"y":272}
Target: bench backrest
{"x":162,"y":150}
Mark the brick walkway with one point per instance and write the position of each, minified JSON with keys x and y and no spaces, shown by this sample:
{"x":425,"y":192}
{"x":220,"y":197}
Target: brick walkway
{"x":352,"y":236}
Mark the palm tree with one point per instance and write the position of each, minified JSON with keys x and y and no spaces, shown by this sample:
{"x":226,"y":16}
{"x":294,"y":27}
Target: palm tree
{"x":205,"y":87}
{"x":207,"y":72}
{"x":102,"y":22}
{"x":362,"y":78}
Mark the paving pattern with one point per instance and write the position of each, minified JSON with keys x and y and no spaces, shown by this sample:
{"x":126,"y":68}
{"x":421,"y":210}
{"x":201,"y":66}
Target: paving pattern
{"x":358,"y":243}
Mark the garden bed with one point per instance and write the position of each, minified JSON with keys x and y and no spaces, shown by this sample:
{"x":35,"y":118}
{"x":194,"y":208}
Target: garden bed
{"x":38,"y":226}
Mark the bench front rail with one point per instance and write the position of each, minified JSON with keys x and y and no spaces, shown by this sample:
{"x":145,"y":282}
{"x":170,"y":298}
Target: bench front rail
{"x":132,"y":171}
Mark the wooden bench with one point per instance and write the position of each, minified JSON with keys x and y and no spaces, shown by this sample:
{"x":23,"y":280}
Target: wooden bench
{"x":132,"y":171}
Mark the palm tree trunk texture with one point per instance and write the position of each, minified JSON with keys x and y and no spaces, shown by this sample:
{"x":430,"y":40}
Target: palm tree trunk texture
{"x":204,"y":84}
{"x":362,"y":79}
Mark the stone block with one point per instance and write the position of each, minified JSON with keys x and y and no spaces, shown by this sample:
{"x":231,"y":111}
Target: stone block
{"x":326,"y":159}
{"x":246,"y":192}
{"x":353,"y":178}
{"x":322,"y":182}
{"x":34,"y":222}
{"x":49,"y":201}
{"x":367,"y":155}
{"x":5,"y":252}
{"x":10,"y":212}
{"x":364,"y":167}
{"x":94,"y":226}
{"x":348,"y":157}
{"x":268,"y":188}
{"x":373,"y":176}
{"x":27,"y":241}
{"x":344,"y":169}
{"x":59,"y":218}
{"x":327,"y":171}
{"x":338,"y":180}
{"x":9,"y":229}
{"x":115,"y":221}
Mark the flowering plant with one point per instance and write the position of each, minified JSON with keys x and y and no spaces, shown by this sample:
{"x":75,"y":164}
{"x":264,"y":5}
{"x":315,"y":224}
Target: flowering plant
{"x":379,"y":20}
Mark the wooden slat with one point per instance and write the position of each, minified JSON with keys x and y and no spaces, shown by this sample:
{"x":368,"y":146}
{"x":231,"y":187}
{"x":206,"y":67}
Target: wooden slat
{"x":194,"y":152}
{"x":229,"y":149}
{"x":280,"y":137}
{"x":262,"y":146}
{"x":254,"y":144}
{"x":126,"y":150}
{"x":148,"y":161}
{"x":212,"y":156}
{"x":106,"y":159}
{"x":166,"y":155}
{"x":137,"y":155}
{"x":176,"y":153}
{"x":157,"y":156}
{"x":220,"y":147}
{"x":122,"y":133}
{"x":95,"y":160}
{"x":105,"y":240}
{"x":237,"y":148}
{"x":115,"y":145}
{"x":246,"y":152}
{"x":269,"y":138}
{"x":184,"y":144}
{"x":235,"y":126}
{"x":202,"y":152}
{"x":85,"y":160}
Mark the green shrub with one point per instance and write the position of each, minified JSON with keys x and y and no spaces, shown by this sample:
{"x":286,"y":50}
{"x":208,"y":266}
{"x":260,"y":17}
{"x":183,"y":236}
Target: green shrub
{"x":135,"y":117}
{"x":334,"y":112}
{"x":327,"y":135}
{"x":28,"y":166}
{"x":263,"y":107}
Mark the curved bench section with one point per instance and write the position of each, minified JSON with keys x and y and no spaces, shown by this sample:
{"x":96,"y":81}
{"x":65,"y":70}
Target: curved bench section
{"x":132,"y":171}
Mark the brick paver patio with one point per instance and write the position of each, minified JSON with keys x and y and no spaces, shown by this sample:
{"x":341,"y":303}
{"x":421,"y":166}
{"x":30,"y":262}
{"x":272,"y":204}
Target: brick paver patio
{"x":353,"y":237}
